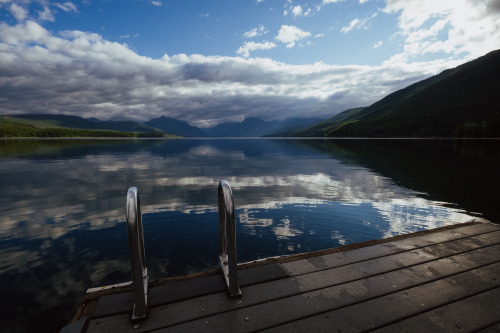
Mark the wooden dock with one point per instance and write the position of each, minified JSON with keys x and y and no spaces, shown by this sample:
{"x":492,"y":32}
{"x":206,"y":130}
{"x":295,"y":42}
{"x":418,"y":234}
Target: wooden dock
{"x":442,"y":280}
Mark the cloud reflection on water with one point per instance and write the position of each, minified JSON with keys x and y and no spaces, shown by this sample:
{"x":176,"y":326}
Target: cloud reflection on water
{"x":51,"y":197}
{"x":63,"y":212}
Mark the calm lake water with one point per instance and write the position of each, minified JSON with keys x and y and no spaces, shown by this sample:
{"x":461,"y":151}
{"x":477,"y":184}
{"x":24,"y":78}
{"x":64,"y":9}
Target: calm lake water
{"x":62,"y":221}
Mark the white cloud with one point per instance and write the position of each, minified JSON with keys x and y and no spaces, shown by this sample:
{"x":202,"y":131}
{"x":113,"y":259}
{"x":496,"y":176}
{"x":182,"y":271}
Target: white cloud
{"x":67,"y":6}
{"x":468,"y":26}
{"x":22,"y":34}
{"x":204,"y":15}
{"x":258,"y":1}
{"x":354,"y":186}
{"x":18,"y":12}
{"x":297,"y":11}
{"x":351,"y":26}
{"x":260,"y":30}
{"x":157,"y":3}
{"x":290,"y":34}
{"x":358,"y":24}
{"x":40,"y":9}
{"x":377,"y":44}
{"x":252,"y":46}
{"x":83,"y":74}
{"x":326,"y":2}
{"x":128,"y":36}
{"x":363,"y":1}
{"x":46,"y":14}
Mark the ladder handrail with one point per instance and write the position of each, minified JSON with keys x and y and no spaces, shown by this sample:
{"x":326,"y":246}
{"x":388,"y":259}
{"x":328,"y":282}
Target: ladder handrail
{"x":227,"y":234}
{"x":137,"y":254}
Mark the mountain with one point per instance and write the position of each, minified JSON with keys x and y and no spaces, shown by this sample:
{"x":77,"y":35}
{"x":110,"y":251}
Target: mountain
{"x":93,"y":119}
{"x":256,"y":127}
{"x":250,"y":127}
{"x":55,"y":121}
{"x":459,"y":102}
{"x":126,"y":126}
{"x":176,"y":127}
{"x":64,"y":121}
{"x":290,"y":124}
{"x":325,"y":126}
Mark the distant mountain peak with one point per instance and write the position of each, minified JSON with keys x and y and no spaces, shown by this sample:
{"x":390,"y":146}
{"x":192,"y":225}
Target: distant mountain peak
{"x":175,"y":126}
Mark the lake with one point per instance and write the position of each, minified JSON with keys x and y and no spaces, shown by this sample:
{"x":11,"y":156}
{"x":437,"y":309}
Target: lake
{"x":62,"y":222}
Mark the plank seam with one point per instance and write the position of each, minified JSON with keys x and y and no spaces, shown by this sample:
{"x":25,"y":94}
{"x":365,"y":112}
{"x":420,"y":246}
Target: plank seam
{"x":488,"y":326}
{"x":434,"y":308}
{"x":462,"y":237}
{"x":390,"y":293}
{"x":338,"y":284}
{"x":400,"y":252}
{"x":482,"y":233}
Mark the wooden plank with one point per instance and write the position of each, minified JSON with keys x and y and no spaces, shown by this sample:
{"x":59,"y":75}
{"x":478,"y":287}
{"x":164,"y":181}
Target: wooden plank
{"x":186,"y":289}
{"x":495,"y":328}
{"x":375,"y":266}
{"x":358,"y":290}
{"x":76,"y":327}
{"x":199,"y":287}
{"x":350,"y":247}
{"x":123,"y":302}
{"x":398,"y":306}
{"x":212,"y":284}
{"x":199,"y":307}
{"x":114,"y":304}
{"x":374,"y":251}
{"x":261,"y":274}
{"x":282,"y":311}
{"x":208,"y":296}
{"x":318,"y":279}
{"x":467,"y":315}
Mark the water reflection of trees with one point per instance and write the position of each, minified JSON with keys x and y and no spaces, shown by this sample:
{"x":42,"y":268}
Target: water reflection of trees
{"x":462,"y":172}
{"x":64,"y":200}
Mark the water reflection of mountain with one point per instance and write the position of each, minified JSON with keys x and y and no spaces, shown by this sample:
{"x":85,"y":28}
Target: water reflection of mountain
{"x":84,"y":181}
{"x":70,"y":148}
{"x":463,"y":172}
{"x":79,"y":148}
{"x":63,"y":204}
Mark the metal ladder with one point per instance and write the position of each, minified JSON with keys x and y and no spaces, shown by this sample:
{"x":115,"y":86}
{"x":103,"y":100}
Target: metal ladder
{"x":227,"y":236}
{"x":137,"y":255}
{"x":227,"y":253}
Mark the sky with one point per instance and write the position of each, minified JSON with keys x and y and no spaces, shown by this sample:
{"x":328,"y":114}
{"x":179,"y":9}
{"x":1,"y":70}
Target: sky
{"x":214,"y":61}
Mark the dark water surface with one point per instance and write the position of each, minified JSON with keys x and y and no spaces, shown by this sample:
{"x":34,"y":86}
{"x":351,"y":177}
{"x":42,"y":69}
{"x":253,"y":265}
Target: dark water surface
{"x":62,"y":205}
